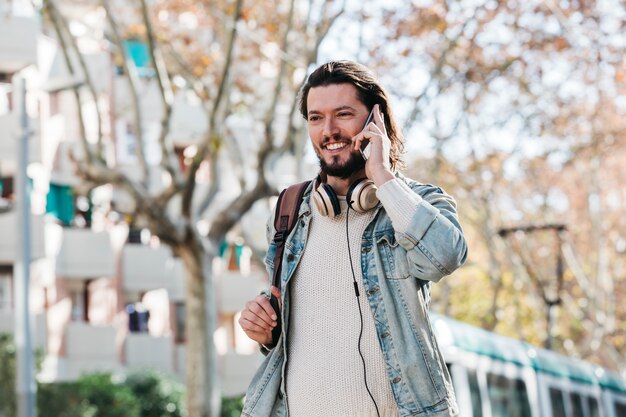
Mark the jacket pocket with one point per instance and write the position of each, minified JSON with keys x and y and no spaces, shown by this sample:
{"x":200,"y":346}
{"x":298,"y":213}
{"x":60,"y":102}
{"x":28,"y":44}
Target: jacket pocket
{"x":392,"y":257}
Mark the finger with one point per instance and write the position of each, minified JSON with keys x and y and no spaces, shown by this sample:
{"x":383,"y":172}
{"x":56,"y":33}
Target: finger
{"x":379,"y":120}
{"x":364,"y":135}
{"x":260,"y":337}
{"x":268,"y":310}
{"x":247,"y":317}
{"x":275,"y":291}
{"x":250,"y":326}
{"x":261,"y":309}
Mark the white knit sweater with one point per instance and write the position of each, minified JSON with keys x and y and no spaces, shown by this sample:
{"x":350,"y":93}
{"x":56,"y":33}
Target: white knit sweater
{"x":324,"y":369}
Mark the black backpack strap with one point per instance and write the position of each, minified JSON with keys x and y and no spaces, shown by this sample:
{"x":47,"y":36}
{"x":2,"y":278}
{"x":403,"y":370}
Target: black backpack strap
{"x":285,"y":219}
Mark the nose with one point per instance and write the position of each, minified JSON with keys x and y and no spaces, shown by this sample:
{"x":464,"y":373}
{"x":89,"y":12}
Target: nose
{"x":330,"y":127}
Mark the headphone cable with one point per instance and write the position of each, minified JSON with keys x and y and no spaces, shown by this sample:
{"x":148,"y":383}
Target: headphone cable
{"x":358,"y":302}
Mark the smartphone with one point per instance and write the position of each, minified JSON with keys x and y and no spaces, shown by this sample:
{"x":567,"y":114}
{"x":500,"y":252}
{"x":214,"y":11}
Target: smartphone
{"x":365,"y":144}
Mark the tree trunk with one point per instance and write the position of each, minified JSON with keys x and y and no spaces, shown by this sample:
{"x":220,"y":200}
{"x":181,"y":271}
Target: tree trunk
{"x":203,"y":391}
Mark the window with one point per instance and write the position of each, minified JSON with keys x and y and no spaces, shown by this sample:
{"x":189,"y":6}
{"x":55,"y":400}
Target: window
{"x":477,"y":408}
{"x":6,"y":186}
{"x":620,"y":409}
{"x":508,"y":397}
{"x":6,"y":288}
{"x":593,"y":407}
{"x":180,"y":312}
{"x":556,"y":400}
{"x":80,"y":303}
{"x":577,"y":405}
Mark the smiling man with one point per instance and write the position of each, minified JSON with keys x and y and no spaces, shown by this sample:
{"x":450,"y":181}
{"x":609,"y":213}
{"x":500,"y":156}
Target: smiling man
{"x":355,"y":281}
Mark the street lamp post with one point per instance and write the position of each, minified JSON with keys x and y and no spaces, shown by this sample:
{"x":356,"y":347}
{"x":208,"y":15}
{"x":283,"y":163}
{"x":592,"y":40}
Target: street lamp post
{"x":553,"y":300}
{"x":25,"y":387}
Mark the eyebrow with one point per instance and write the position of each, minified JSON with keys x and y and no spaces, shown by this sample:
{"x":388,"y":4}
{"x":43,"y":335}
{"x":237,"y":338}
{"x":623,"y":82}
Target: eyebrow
{"x":335,"y":110}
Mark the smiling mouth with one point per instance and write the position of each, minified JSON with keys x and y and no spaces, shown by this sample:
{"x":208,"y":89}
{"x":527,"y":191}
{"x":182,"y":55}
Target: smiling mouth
{"x":335,"y":146}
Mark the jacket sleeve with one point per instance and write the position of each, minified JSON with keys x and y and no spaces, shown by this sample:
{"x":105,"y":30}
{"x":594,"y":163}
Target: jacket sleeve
{"x":426,"y":225}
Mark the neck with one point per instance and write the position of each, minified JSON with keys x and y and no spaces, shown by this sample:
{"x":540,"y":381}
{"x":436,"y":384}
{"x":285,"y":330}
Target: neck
{"x":341,"y":185}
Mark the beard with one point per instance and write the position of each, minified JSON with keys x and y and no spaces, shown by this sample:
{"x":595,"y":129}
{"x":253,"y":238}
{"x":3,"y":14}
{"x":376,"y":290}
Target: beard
{"x":335,"y":168}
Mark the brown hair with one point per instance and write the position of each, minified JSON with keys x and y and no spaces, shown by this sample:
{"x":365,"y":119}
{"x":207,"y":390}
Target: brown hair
{"x":369,"y":92}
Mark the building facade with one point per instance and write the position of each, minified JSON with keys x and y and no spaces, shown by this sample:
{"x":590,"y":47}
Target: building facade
{"x":105,"y":294}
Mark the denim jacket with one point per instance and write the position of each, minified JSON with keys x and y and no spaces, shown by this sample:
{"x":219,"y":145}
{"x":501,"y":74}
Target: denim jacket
{"x":398,"y":270}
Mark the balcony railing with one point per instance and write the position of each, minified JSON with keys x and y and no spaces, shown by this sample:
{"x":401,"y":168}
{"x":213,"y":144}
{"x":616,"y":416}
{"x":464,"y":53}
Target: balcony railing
{"x":80,"y":253}
{"x":7,"y":325}
{"x":145,"y":351}
{"x":145,"y":268}
{"x":11,"y":236}
{"x":18,"y":42}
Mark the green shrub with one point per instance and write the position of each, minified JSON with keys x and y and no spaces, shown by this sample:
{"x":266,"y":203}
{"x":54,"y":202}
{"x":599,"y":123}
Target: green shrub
{"x":95,"y":395}
{"x":63,"y":400}
{"x":110,"y":399}
{"x":8,"y":405}
{"x":232,"y":406}
{"x":158,"y":394}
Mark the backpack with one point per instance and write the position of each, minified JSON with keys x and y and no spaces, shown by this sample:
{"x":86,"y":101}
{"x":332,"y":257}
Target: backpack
{"x":285,"y":219}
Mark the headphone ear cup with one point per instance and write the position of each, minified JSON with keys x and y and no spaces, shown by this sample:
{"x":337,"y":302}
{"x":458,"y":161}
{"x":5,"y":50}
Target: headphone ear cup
{"x":362,"y":195}
{"x":326,"y":200}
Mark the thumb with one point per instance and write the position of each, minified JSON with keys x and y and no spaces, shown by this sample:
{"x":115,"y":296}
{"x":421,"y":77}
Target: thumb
{"x":275,"y":292}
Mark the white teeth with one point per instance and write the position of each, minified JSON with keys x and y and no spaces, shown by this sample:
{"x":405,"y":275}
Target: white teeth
{"x":334,"y":146}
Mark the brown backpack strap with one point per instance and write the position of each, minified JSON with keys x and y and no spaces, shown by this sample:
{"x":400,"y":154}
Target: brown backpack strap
{"x":285,"y":219}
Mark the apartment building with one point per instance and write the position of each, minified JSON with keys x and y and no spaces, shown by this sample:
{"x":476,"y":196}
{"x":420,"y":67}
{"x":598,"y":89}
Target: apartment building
{"x":105,"y":294}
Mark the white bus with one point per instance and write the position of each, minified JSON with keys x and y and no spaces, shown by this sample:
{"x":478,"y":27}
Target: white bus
{"x":495,"y":376}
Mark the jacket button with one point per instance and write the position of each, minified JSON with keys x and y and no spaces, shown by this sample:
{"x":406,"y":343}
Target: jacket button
{"x":366,"y":249}
{"x":290,"y":257}
{"x":386,"y":334}
{"x":396,"y":380}
{"x":373,"y":291}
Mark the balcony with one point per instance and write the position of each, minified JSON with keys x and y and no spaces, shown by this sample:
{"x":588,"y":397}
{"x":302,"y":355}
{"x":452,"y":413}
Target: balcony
{"x":235,"y":289}
{"x":18,"y":43}
{"x":235,"y":370}
{"x":10,"y":242}
{"x":189,"y":119}
{"x":89,"y":349}
{"x":145,"y":268}
{"x":145,"y":351}
{"x":7,"y":325}
{"x":80,"y":253}
{"x":86,"y":341}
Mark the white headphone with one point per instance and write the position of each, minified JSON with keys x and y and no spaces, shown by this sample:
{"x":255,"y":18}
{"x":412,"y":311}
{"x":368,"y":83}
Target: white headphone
{"x":361,"y":197}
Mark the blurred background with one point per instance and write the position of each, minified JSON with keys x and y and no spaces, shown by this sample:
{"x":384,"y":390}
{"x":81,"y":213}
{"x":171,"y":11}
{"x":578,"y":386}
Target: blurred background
{"x":147,"y":141}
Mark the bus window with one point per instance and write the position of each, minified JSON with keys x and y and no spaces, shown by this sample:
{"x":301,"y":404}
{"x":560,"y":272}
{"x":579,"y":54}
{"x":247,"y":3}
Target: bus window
{"x":477,"y":407}
{"x":556,"y":399}
{"x":508,"y":397}
{"x":577,"y":405}
{"x":593,"y":407}
{"x":620,"y":409}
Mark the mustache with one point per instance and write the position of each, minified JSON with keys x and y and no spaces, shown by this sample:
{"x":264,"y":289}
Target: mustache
{"x":336,"y":138}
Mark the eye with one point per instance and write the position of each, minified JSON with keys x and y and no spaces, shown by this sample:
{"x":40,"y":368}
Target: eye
{"x":344,"y":114}
{"x":314,"y":118}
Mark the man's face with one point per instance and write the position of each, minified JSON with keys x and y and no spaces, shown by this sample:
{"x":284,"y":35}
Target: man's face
{"x":335,"y":115}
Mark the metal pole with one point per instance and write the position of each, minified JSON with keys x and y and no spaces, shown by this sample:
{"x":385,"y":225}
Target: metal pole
{"x":25,"y":387}
{"x":551,"y":302}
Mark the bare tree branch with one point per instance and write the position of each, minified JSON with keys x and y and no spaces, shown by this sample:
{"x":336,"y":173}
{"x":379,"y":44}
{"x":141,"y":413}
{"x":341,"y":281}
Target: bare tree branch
{"x":210,"y":137}
{"x":167,"y":97}
{"x":88,"y":81}
{"x":131,"y":77}
{"x":311,"y":57}
{"x":60,"y":27}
